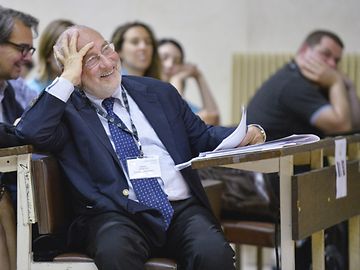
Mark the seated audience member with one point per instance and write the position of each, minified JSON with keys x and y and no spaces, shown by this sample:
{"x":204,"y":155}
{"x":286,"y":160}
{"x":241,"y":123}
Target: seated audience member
{"x":136,"y":45}
{"x":96,"y":130}
{"x":16,"y":41}
{"x":310,"y":95}
{"x":177,"y":72}
{"x":48,"y":70}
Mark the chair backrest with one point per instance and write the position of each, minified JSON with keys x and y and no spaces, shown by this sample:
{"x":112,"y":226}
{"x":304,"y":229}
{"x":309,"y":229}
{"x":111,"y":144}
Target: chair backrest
{"x":54,"y":215}
{"x":51,"y":207}
{"x":214,"y":189}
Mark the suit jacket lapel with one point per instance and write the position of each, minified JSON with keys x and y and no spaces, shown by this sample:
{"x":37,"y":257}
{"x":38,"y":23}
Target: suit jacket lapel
{"x":11,"y":108}
{"x":152,"y":109}
{"x":82,"y":104}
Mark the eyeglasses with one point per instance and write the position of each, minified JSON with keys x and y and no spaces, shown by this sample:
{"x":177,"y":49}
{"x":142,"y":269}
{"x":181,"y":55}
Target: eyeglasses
{"x":106,"y":51}
{"x":23,"y":48}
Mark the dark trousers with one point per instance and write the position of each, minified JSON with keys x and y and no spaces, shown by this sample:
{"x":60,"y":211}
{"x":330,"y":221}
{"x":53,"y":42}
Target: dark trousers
{"x":194,"y":240}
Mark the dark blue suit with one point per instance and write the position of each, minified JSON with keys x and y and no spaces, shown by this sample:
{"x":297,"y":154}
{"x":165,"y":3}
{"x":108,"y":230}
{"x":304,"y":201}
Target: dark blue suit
{"x":73,"y":132}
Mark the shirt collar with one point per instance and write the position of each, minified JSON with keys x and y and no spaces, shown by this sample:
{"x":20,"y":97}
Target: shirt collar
{"x":98,"y":101}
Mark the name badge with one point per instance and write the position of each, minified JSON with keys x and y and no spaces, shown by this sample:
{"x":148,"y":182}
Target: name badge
{"x":145,"y":167}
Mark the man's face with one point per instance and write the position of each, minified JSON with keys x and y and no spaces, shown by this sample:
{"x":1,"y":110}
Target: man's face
{"x":11,"y":58}
{"x":102,"y":79}
{"x":327,"y":50}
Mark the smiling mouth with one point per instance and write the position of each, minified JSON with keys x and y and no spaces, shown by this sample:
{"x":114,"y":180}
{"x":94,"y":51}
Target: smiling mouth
{"x":107,"y":74}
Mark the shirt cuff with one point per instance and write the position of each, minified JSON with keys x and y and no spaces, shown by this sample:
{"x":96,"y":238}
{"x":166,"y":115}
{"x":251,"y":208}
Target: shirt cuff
{"x":60,"y":88}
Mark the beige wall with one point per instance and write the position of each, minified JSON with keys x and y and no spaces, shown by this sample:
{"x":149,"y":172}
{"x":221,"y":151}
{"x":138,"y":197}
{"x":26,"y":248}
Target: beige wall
{"x":284,"y":23}
{"x":212,"y":30}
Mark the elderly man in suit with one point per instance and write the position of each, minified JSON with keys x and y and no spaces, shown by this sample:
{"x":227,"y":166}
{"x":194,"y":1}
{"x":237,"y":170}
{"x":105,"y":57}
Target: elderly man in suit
{"x":116,"y":139}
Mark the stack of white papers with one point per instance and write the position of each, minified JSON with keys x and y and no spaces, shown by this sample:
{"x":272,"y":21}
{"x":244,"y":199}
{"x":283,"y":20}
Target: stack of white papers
{"x":271,"y":145}
{"x":229,"y":145}
{"x":235,"y":138}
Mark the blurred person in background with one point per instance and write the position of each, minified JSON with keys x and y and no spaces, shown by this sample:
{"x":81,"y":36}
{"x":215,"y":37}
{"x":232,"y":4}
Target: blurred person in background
{"x":176,"y":71}
{"x":136,"y":45}
{"x":48,"y":69}
{"x":309,"y":94}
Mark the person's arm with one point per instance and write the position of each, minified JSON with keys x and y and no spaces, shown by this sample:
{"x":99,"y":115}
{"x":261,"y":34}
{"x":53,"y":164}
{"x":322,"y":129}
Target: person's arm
{"x":178,"y":81}
{"x":209,"y":112}
{"x":42,"y":124}
{"x":335,"y":118}
{"x":354,"y":103}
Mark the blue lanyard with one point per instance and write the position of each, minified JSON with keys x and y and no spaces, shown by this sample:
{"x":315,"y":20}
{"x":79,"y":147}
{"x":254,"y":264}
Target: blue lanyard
{"x":117,"y":121}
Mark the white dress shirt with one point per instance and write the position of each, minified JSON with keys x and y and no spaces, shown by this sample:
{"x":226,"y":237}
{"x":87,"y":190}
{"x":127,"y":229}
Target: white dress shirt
{"x":172,"y":182}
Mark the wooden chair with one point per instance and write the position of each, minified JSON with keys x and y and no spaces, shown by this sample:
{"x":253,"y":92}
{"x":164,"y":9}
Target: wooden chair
{"x":213,"y":189}
{"x":50,"y":206}
{"x":244,"y":232}
{"x":259,"y":234}
{"x":52,"y":213}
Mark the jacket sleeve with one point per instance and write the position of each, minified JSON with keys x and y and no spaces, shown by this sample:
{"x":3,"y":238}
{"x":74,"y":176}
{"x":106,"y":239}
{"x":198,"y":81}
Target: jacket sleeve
{"x":41,"y":124}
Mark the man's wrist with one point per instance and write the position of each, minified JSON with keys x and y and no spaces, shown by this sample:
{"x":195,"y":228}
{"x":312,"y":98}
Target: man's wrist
{"x":60,"y":88}
{"x":260,"y":128}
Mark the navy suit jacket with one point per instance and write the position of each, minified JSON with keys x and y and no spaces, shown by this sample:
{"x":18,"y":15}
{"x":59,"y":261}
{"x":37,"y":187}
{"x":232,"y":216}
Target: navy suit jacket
{"x":73,"y":132}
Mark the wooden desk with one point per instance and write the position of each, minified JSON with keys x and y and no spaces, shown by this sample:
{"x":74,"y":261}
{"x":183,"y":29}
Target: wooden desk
{"x":283,"y":161}
{"x":18,"y":159}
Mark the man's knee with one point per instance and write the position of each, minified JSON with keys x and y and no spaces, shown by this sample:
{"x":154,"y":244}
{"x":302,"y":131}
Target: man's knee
{"x":214,"y":254}
{"x":210,"y":253}
{"x":117,"y":248}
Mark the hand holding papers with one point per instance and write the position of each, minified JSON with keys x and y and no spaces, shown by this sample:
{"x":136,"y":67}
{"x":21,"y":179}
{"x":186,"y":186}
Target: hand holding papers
{"x":270,"y":145}
{"x":235,"y":138}
{"x":230,"y":142}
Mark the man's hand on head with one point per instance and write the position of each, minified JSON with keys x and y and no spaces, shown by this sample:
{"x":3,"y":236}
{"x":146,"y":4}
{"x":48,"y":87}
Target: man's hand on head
{"x":318,"y":71}
{"x":71,"y":58}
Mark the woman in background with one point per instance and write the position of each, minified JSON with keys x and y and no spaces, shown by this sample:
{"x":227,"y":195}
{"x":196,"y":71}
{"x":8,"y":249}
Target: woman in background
{"x":136,"y":45}
{"x":48,"y":69}
{"x":176,"y":72}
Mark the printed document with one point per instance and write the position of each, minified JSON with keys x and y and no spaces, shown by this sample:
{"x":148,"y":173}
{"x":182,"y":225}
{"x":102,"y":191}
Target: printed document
{"x":229,"y":145}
